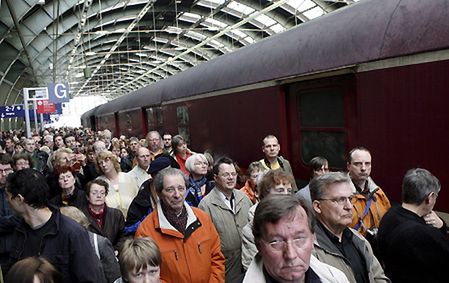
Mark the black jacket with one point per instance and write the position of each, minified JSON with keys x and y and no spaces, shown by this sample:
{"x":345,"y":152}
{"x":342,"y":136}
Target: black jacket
{"x":113,"y":225}
{"x":77,"y":199}
{"x":66,"y":246}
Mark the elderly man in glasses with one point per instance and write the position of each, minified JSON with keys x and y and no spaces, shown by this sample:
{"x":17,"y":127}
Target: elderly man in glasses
{"x":335,"y":243}
{"x":284,"y":233}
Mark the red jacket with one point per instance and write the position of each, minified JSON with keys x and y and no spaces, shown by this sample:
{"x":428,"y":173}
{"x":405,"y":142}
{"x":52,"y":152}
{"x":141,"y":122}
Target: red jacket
{"x":193,"y":257}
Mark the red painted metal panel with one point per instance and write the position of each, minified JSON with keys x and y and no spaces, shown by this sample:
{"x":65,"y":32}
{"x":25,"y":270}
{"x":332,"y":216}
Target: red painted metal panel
{"x":232,"y":125}
{"x":130,"y":123}
{"x":402,"y":118}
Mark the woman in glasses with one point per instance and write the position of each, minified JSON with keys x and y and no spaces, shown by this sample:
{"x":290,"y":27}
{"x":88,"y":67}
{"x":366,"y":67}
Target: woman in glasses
{"x":104,"y":220}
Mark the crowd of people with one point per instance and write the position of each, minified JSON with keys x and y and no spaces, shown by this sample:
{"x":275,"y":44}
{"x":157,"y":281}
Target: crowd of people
{"x":83,"y":206}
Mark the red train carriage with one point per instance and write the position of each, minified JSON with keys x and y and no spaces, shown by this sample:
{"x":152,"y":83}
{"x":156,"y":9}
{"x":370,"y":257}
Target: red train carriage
{"x":374,"y":74}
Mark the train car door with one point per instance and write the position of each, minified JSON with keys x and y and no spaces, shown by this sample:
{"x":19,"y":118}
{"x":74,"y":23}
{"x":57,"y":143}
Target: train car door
{"x":321,"y":122}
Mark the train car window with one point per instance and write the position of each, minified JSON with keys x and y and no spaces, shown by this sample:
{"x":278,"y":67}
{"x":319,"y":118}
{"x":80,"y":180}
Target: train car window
{"x":328,"y":144}
{"x":321,"y":109}
{"x":322,"y":126}
{"x":155,"y":119}
{"x":182,"y":114}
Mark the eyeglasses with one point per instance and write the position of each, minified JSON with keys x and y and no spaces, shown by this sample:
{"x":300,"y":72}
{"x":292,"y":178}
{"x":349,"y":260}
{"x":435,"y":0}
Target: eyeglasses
{"x":95,"y":193}
{"x":227,"y":175}
{"x":280,"y":245}
{"x":339,"y":200}
{"x":198,"y":163}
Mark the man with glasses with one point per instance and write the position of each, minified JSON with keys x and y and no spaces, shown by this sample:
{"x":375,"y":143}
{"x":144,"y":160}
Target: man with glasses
{"x":228,"y":208}
{"x":413,"y":240}
{"x":335,"y":243}
{"x":370,"y":202}
{"x":284,"y":233}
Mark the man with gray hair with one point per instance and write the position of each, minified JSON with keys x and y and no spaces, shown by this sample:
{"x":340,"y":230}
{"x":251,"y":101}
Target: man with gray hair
{"x":283,"y":231}
{"x":335,"y":243}
{"x":155,"y":144}
{"x":186,"y":235}
{"x":413,"y":240}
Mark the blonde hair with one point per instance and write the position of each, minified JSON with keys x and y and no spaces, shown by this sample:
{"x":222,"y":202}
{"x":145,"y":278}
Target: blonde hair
{"x":75,"y":214}
{"x":138,"y":253}
{"x":104,"y":155}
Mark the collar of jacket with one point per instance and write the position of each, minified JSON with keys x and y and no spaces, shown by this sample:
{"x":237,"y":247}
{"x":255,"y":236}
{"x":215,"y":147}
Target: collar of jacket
{"x":218,"y":201}
{"x":372,"y":187}
{"x":323,"y":241}
{"x":192,"y":223}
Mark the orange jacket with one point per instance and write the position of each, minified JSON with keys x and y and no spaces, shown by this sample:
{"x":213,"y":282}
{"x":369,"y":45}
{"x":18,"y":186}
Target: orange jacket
{"x":379,"y":206}
{"x":249,"y":192}
{"x":193,"y":257}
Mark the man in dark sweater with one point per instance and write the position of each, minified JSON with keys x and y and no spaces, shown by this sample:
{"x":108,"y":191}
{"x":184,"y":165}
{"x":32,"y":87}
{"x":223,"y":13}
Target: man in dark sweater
{"x":413,"y":240}
{"x":44,"y":232}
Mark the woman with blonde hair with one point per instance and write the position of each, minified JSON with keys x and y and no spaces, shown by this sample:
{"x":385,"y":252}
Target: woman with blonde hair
{"x":122,"y":189}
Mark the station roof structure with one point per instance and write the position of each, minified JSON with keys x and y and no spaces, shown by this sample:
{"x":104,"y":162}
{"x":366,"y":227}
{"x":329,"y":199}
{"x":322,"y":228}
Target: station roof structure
{"x":113,"y":47}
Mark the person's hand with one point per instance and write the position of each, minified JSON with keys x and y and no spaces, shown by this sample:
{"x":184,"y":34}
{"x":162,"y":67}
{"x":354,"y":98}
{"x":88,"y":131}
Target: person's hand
{"x":81,"y":158}
{"x":432,"y":219}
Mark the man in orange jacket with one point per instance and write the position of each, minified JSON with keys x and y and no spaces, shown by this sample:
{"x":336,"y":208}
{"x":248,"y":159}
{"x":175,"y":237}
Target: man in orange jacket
{"x":369,"y":201}
{"x":186,"y":236}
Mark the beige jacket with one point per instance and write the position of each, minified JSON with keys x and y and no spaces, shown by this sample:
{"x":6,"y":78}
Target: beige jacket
{"x":229,"y":226}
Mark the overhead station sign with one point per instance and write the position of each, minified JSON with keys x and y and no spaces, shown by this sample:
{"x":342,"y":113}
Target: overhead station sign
{"x":12,"y":111}
{"x":58,"y":92}
{"x":44,"y":106}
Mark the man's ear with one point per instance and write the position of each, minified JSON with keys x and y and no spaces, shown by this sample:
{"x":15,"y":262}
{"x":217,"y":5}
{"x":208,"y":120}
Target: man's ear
{"x":316,"y":205}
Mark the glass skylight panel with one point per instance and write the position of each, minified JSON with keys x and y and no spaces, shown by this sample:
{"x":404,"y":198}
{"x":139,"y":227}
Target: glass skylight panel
{"x":264,"y":19}
{"x":210,"y":3}
{"x":189,"y":17}
{"x":195,"y":35}
{"x":313,"y":13}
{"x":126,"y":18}
{"x":278,"y":28}
{"x":239,"y":33}
{"x":215,"y":43}
{"x":249,"y":39}
{"x":160,"y":39}
{"x":137,"y":2}
{"x":116,"y":6}
{"x":168,"y":52}
{"x":172,"y":29}
{"x":301,"y":5}
{"x":215,"y":22}
{"x":239,"y":7}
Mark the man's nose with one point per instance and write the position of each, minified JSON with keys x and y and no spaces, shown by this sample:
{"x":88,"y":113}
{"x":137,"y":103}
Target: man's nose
{"x":289,"y":252}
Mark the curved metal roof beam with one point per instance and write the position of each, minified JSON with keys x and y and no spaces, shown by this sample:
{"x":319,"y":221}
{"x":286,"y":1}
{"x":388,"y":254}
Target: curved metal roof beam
{"x":242,"y":22}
